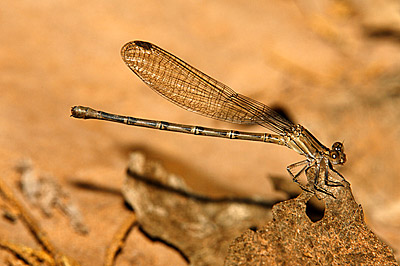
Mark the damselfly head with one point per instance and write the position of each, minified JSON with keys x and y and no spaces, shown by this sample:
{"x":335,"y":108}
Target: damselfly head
{"x":336,"y":154}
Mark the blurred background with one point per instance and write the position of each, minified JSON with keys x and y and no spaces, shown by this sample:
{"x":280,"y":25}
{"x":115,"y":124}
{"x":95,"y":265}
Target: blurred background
{"x":331,"y":65}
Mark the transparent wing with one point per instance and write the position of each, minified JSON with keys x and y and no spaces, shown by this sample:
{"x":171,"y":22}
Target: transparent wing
{"x":195,"y":91}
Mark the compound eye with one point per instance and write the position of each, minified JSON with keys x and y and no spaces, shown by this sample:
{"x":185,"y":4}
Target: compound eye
{"x":334,"y":156}
{"x":337,"y":146}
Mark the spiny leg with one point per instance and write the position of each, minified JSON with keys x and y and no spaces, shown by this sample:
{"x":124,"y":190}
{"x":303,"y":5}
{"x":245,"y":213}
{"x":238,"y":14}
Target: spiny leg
{"x":331,"y":182}
{"x":295,"y":177}
{"x":316,"y":180}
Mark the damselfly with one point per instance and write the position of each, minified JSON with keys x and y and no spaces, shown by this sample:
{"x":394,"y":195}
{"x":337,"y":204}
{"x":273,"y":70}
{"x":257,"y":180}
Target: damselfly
{"x":195,"y":91}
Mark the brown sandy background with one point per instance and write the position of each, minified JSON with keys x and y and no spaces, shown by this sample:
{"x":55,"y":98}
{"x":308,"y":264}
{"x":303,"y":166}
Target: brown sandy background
{"x":332,"y":65}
